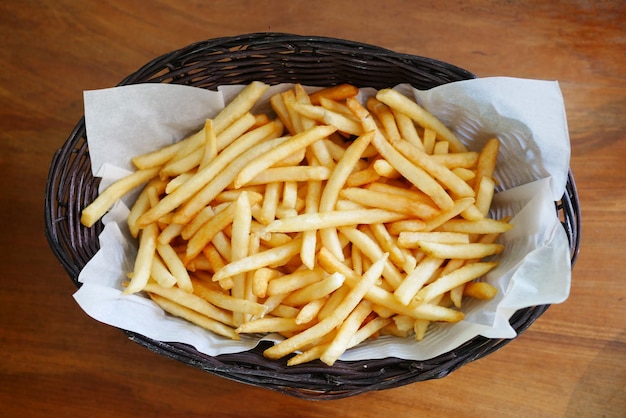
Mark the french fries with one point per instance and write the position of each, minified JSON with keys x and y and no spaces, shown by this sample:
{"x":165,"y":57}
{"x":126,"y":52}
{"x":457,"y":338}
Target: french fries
{"x":330,"y":222}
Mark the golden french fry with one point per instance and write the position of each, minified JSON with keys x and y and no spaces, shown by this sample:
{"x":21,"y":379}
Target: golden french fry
{"x":160,"y":273}
{"x":176,"y":266}
{"x":336,"y":93}
{"x":266,"y":258}
{"x":330,"y":194}
{"x":161,"y":156}
{"x":191,"y":301}
{"x":479,"y":290}
{"x":291,"y":174}
{"x":409,"y":239}
{"x":483,"y":226}
{"x":226,"y":301}
{"x":440,"y":172}
{"x":417,"y":278}
{"x":448,"y":282}
{"x":389,"y":202}
{"x":293,"y":144}
{"x":265,"y":325}
{"x":143,"y":261}
{"x":397,"y":101}
{"x":314,"y":291}
{"x":487,"y":161}
{"x":484,"y":195}
{"x":109,"y":196}
{"x":242,"y":104}
{"x":330,"y":117}
{"x":194,"y":317}
{"x":460,"y":251}
{"x":386,"y":118}
{"x":333,"y":219}
{"x":346,"y":331}
{"x":309,"y":311}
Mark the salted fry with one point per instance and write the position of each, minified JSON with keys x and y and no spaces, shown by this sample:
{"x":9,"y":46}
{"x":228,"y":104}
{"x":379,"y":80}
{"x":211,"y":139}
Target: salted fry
{"x":337,"y":93}
{"x":298,"y":141}
{"x":344,"y":335}
{"x":266,"y":258}
{"x":333,"y":219}
{"x":239,"y":106}
{"x":194,"y":317}
{"x":113,"y":193}
{"x":450,"y":281}
{"x":460,"y":251}
{"x":143,"y":261}
{"x":420,"y":115}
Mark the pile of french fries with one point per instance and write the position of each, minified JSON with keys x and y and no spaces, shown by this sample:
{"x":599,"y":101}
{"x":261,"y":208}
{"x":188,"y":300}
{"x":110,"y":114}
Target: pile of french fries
{"x":330,"y":221}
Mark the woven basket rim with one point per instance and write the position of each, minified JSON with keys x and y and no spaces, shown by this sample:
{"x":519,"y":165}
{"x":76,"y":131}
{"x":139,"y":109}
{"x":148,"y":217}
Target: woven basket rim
{"x":69,"y":183}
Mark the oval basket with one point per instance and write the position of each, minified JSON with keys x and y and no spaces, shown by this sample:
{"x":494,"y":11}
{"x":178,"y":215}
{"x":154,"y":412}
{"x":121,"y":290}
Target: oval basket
{"x":275,"y":58}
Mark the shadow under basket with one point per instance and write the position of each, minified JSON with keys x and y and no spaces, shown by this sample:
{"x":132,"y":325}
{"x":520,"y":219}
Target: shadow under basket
{"x":275,"y":58}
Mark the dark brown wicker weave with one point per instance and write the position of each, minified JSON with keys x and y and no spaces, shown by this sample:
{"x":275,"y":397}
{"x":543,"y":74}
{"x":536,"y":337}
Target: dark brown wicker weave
{"x":274,"y":58}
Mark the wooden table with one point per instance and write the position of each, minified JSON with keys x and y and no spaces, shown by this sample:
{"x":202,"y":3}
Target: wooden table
{"x":56,"y":361}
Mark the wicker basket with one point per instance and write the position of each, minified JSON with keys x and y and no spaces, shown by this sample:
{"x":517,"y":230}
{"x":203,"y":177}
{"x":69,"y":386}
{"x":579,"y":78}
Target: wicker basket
{"x":275,"y":58}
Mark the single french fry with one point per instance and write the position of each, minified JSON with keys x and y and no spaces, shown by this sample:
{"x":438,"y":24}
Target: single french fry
{"x":143,"y":261}
{"x":396,"y":100}
{"x":346,"y":331}
{"x":105,"y":200}
{"x":418,"y":277}
{"x":239,"y":106}
{"x":462,"y":275}
{"x":389,"y":202}
{"x":160,"y":273}
{"x":309,"y":238}
{"x":337,"y":93}
{"x":210,"y":147}
{"x":176,"y":266}
{"x":479,"y":290}
{"x":440,"y":172}
{"x":226,"y":301}
{"x":265,"y":325}
{"x":194,"y":317}
{"x":289,"y":283}
{"x":309,"y":311}
{"x":335,"y":183}
{"x":266,"y":258}
{"x":333,"y":219}
{"x":460,"y":251}
{"x":314,"y":291}
{"x":159,"y":157}
{"x":487,"y":161}
{"x":484,"y":195}
{"x":266,"y":160}
{"x":386,"y":117}
{"x":408,"y":239}
{"x":484,"y":226}
{"x":291,"y":174}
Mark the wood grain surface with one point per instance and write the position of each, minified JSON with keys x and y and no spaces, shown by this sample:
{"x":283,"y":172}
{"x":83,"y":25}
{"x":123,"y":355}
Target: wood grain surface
{"x":56,"y":361}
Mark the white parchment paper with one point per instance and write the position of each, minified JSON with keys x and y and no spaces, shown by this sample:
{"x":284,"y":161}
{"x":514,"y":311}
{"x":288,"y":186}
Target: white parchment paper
{"x":528,"y":116}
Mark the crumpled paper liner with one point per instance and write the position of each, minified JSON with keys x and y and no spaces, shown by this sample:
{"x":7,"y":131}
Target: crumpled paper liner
{"x":528,"y":116}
